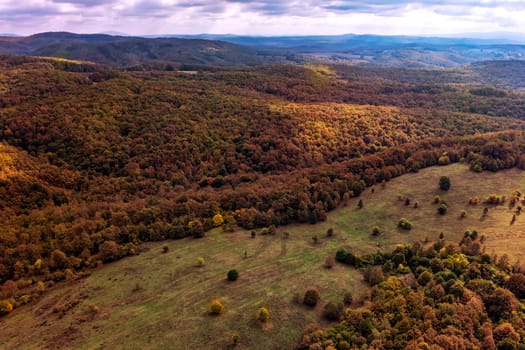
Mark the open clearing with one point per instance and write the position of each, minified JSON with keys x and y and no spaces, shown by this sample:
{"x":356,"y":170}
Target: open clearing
{"x":160,"y":300}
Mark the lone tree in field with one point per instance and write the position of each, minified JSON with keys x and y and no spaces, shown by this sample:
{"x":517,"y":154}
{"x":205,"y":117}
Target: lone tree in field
{"x":442,"y":209}
{"x":444,"y":183}
{"x":233,"y":275}
{"x":311,"y":297}
{"x":404,"y":224}
{"x":263,"y":314}
{"x":332,"y":311}
{"x":216,"y":307}
{"x":236,"y":338}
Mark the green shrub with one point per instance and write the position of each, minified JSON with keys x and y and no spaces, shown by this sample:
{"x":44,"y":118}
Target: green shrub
{"x":404,"y":224}
{"x":233,"y":275}
{"x":444,"y":183}
{"x":424,"y":278}
{"x":235,"y":338}
{"x":442,"y":209}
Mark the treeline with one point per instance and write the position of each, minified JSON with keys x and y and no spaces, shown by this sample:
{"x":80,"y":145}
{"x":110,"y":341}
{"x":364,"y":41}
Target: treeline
{"x":431,"y":296}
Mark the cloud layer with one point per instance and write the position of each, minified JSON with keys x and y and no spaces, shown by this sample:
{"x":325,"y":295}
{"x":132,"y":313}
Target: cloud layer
{"x":266,"y":17}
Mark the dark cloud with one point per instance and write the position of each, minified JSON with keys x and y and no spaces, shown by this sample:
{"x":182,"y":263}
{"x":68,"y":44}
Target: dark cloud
{"x":29,"y":12}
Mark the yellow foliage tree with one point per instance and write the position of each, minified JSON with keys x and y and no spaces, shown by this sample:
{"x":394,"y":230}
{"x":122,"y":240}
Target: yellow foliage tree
{"x":216,"y":307}
{"x":263,"y":315}
{"x":218,"y":220}
{"x":5,"y":307}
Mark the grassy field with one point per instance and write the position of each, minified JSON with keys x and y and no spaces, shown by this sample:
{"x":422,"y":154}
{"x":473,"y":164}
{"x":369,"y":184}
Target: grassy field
{"x":160,"y":300}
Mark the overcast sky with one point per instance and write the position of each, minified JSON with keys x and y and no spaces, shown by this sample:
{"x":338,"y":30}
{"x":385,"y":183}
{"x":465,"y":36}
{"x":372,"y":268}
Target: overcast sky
{"x":260,"y":17}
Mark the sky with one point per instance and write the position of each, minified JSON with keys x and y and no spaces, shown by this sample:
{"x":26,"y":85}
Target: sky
{"x":263,"y":17}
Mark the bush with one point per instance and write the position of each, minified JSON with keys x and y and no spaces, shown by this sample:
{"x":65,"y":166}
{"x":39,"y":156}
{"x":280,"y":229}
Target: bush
{"x":374,"y":275}
{"x":360,"y":204}
{"x":236,"y":338}
{"x":217,"y":220}
{"x":442,"y":209}
{"x":263,"y":315}
{"x":344,"y":257}
{"x":424,"y":278}
{"x":444,"y":159}
{"x":165,"y":248}
{"x":375,"y":231}
{"x":404,"y":224}
{"x":329,"y":262}
{"x":5,"y":307}
{"x":474,"y":200}
{"x":233,"y":275}
{"x":216,"y":307}
{"x":348,"y":298}
{"x":200,"y":261}
{"x":311,"y":297}
{"x":444,"y":183}
{"x":330,"y":232}
{"x":332,"y":311}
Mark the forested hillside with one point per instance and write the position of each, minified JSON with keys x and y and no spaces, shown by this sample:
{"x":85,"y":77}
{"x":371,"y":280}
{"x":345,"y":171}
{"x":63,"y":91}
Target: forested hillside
{"x":124,"y":51}
{"x":97,"y":160}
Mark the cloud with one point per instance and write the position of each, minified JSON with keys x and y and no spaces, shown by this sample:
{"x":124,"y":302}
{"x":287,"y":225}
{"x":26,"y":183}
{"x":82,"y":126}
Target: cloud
{"x":263,"y":16}
{"x":84,"y":3}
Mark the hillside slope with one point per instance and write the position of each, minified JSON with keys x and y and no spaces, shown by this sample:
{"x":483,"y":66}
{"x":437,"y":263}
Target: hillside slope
{"x":128,"y":157}
{"x":134,"y":51}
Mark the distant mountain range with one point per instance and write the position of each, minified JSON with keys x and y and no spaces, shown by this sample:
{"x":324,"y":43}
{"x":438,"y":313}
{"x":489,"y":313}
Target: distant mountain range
{"x":232,"y":50}
{"x":130,"y":51}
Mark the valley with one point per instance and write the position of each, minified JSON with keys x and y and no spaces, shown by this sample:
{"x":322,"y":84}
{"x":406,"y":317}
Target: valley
{"x":161,"y":299}
{"x":187,"y":193}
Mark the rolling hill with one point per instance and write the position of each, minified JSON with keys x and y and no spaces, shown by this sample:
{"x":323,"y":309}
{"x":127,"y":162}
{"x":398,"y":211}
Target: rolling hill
{"x":229,"y":50}
{"x":134,"y":51}
{"x":97,"y":160}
